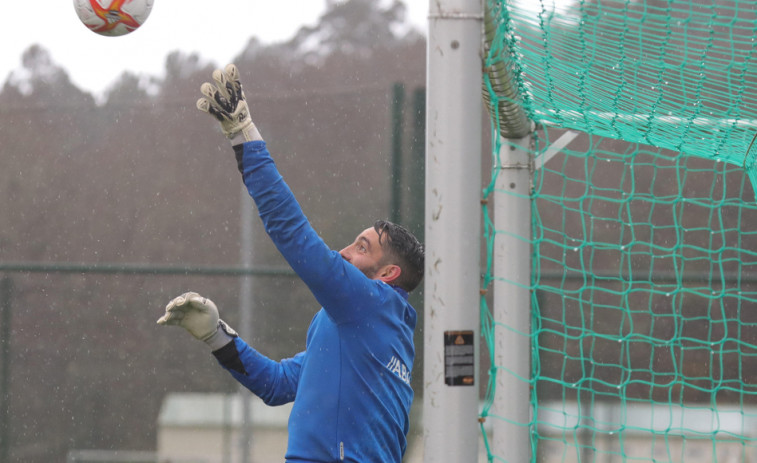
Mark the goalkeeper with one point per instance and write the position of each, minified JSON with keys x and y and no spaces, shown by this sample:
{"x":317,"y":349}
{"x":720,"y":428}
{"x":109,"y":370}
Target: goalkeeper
{"x":351,"y":385}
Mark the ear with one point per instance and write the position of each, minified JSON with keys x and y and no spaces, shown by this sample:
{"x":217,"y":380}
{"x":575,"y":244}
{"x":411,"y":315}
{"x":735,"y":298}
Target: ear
{"x":389,"y":273}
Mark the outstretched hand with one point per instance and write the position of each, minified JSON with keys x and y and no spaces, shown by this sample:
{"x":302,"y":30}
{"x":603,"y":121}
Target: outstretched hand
{"x":194,"y":313}
{"x":199,"y":316}
{"x":225,"y":101}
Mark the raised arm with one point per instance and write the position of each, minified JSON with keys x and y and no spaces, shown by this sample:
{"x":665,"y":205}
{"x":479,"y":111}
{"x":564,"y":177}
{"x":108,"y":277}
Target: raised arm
{"x":334,"y":282}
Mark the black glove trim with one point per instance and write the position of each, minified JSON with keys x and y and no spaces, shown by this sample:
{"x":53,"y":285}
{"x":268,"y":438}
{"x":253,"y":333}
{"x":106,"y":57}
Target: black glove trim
{"x":228,"y":356}
{"x":238,"y":152}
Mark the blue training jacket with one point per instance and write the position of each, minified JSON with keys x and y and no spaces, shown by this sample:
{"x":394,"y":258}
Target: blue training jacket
{"x":351,"y":385}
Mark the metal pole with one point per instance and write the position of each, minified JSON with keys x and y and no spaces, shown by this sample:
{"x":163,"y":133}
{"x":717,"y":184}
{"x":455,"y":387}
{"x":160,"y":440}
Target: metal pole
{"x":139,"y":269}
{"x":452,"y":231}
{"x":398,"y":103}
{"x":245,"y":316}
{"x":512,"y":302}
{"x":6,"y":289}
{"x":417,"y":167}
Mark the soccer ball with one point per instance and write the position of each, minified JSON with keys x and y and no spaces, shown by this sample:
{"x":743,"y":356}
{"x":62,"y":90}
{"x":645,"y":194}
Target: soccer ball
{"x":113,"y":17}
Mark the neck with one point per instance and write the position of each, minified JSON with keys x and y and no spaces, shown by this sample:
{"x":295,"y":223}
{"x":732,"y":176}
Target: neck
{"x":402,"y":292}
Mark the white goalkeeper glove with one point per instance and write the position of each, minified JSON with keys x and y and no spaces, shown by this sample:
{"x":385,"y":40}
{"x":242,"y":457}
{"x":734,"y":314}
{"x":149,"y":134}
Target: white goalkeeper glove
{"x":225,"y":100}
{"x":199,"y":316}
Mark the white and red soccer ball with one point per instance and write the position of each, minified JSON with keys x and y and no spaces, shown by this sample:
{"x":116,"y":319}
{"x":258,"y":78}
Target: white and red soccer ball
{"x":113,"y":17}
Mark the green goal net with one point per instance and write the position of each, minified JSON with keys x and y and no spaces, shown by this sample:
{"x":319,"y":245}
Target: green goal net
{"x":644,"y":227}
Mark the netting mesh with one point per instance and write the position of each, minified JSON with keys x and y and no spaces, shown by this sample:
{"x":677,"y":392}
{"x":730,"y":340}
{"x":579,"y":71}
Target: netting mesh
{"x":677,"y":74}
{"x":644,"y":271}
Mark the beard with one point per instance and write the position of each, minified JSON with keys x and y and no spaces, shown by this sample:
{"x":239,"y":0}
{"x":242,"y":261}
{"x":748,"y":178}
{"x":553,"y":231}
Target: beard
{"x":370,"y":270}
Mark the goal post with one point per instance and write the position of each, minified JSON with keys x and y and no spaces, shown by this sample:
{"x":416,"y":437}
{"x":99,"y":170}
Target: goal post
{"x":452,"y":231}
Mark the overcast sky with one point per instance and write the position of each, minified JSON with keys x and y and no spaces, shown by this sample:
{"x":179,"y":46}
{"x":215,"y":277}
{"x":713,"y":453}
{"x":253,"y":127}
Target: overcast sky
{"x":217,"y":30}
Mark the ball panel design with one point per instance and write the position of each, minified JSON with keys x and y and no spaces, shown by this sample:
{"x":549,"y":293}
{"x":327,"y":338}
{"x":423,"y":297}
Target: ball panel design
{"x":113,"y":17}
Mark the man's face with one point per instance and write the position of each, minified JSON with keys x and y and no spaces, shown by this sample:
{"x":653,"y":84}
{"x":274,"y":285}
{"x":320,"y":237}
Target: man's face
{"x":365,"y":253}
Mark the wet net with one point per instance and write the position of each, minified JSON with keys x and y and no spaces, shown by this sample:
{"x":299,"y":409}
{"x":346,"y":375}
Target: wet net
{"x":644,"y":239}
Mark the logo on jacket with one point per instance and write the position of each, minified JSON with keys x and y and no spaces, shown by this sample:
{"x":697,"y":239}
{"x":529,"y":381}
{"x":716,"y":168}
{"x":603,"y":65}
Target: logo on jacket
{"x":396,"y":366}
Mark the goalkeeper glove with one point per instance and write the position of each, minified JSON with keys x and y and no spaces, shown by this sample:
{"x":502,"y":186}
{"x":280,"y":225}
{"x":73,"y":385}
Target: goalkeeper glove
{"x":199,"y":316}
{"x":225,"y":100}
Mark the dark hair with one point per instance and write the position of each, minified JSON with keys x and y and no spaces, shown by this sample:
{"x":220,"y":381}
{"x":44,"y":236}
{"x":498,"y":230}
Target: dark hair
{"x":403,"y":249}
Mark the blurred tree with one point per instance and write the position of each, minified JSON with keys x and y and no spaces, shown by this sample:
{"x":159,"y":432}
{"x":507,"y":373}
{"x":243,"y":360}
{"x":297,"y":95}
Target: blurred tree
{"x":358,"y":27}
{"x":43,"y":82}
{"x":128,"y":90}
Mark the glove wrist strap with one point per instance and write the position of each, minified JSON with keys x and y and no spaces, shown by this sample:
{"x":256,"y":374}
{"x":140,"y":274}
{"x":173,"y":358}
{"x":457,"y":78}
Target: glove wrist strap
{"x":223,"y":335}
{"x":249,"y":133}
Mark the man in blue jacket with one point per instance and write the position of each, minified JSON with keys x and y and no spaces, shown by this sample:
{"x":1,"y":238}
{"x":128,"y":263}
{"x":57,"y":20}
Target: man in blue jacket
{"x":351,"y":385}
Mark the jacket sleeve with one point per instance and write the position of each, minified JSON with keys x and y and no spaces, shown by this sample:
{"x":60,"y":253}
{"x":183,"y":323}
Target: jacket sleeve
{"x":274,"y":382}
{"x":335,"y":283}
